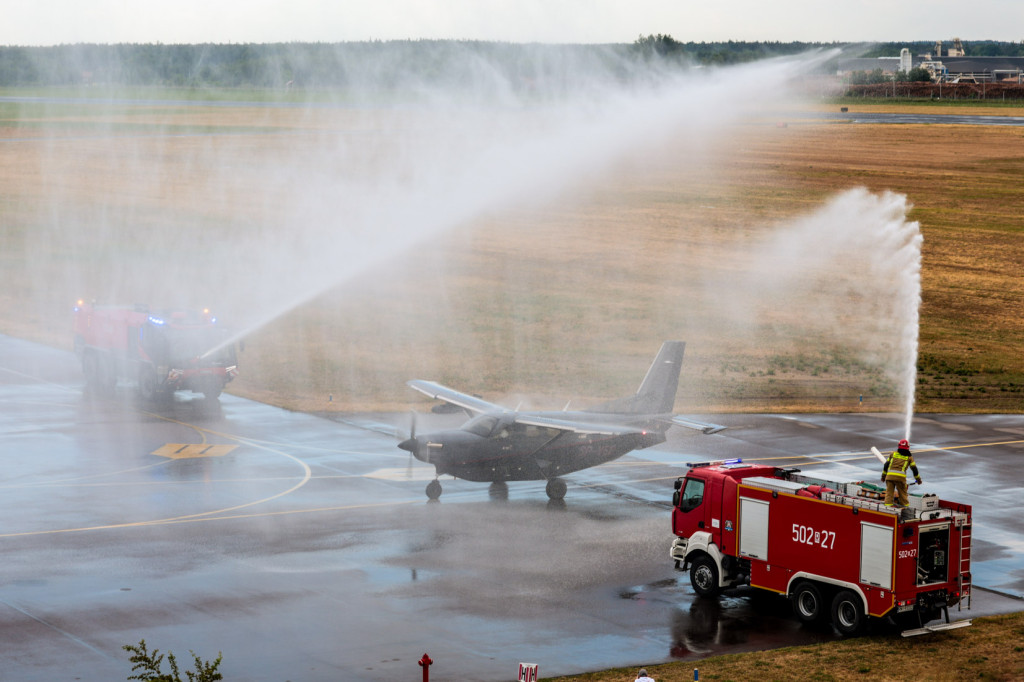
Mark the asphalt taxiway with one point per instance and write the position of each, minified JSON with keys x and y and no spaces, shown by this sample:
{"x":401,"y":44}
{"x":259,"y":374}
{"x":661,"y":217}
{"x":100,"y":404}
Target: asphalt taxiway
{"x":304,"y":548}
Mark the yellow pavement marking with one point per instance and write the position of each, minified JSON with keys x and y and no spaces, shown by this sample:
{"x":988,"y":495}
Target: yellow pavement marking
{"x":187,"y":451}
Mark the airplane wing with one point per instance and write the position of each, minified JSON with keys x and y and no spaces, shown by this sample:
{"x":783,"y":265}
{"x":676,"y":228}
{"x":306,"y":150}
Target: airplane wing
{"x":450,"y":395}
{"x":576,"y":427}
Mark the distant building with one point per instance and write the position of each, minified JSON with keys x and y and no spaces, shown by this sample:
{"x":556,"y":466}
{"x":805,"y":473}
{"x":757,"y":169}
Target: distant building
{"x":950,"y":69}
{"x":869,"y":64}
{"x":953,"y":67}
{"x":906,"y":61}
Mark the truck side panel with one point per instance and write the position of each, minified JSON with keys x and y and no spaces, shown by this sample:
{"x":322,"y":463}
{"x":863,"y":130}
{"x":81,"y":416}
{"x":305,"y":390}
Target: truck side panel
{"x":819,"y":539}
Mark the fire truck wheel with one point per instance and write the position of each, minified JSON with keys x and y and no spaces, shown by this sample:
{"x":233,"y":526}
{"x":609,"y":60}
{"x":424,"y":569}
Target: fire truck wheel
{"x":807,"y":602}
{"x":434,"y":490}
{"x":90,"y":368}
{"x":106,"y":376}
{"x":848,"y":613}
{"x":147,"y":384}
{"x":704,"y":576}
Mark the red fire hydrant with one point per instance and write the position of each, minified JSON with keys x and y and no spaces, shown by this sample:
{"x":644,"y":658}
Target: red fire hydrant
{"x":425,"y":663}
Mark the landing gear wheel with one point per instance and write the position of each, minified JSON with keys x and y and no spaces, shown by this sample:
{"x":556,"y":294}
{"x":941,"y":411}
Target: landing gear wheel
{"x":498,"y":490}
{"x":704,"y":577}
{"x":848,"y":613}
{"x":556,"y":489}
{"x":807,"y":603}
{"x":434,"y":489}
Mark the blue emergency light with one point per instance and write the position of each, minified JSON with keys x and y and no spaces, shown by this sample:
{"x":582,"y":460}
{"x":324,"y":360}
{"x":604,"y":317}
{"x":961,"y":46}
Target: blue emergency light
{"x":717,"y":462}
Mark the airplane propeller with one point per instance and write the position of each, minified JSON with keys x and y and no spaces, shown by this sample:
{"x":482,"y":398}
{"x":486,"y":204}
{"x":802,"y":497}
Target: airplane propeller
{"x":412,"y":435}
{"x":410,"y":444}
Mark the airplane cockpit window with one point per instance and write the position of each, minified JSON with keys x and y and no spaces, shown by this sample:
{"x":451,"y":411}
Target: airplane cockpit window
{"x":481,"y":426}
{"x":533,"y":431}
{"x":693,"y":494}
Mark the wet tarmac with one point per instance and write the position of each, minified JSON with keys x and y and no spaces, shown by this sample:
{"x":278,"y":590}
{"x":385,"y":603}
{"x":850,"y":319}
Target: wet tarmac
{"x":303,"y":548}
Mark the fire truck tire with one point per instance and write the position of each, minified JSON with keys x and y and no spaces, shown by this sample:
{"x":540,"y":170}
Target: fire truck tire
{"x":704,"y":576}
{"x":808,"y":604}
{"x":106,"y":376}
{"x":90,"y":369}
{"x":848,"y":613}
{"x":434,"y":490}
{"x":147,"y":384}
{"x":555,"y":489}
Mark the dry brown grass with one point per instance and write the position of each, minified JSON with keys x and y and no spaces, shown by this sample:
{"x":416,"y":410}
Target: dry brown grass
{"x":565,"y":299}
{"x":991,"y":649}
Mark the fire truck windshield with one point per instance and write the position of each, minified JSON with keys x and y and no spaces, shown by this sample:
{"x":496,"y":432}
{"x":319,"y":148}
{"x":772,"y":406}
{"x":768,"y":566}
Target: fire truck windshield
{"x":693,"y":494}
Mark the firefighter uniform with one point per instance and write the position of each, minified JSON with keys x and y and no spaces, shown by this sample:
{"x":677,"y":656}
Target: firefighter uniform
{"x":894,"y":473}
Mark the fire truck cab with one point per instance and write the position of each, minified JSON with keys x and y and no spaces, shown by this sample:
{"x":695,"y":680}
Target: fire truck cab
{"x":162,"y":351}
{"x":833,"y":548}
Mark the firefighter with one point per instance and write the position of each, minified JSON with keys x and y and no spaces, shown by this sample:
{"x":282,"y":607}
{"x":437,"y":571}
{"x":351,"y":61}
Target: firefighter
{"x":894,"y":473}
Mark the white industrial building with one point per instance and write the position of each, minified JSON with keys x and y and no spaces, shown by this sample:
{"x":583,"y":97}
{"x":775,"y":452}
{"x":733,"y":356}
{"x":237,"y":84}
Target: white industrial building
{"x":952,"y":67}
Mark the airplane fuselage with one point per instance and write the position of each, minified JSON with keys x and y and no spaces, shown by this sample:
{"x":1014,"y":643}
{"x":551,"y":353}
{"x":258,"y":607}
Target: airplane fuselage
{"x":494,"y":447}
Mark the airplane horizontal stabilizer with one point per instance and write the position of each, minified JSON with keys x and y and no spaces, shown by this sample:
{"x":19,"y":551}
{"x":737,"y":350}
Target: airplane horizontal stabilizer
{"x":696,"y":425}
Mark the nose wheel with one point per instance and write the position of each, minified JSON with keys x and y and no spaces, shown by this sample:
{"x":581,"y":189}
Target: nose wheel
{"x":555,"y":489}
{"x":498,"y":490}
{"x":434,"y":489}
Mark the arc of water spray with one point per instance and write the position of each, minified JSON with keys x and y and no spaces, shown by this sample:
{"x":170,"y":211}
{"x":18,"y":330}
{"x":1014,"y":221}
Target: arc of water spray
{"x":698,"y":103}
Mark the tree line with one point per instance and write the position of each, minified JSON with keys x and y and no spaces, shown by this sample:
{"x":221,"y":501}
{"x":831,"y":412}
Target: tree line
{"x":974,"y":48}
{"x":384,"y":63}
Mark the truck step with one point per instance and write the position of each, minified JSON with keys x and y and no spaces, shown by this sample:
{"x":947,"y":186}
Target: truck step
{"x":939,"y":627}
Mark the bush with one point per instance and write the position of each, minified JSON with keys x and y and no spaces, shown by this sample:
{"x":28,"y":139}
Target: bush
{"x":149,"y":666}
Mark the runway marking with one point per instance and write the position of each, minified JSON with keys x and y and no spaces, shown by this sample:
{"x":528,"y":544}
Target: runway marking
{"x":64,"y":633}
{"x":307,"y":475}
{"x":189,"y":451}
{"x":63,"y":387}
{"x":195,"y":518}
{"x":823,"y":458}
{"x":419,"y":473}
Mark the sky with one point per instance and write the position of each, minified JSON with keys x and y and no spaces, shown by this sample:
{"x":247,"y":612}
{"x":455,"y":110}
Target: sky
{"x":54,"y":22}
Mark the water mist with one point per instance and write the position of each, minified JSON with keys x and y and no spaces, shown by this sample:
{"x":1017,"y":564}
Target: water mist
{"x":456,"y":161}
{"x":847,"y":275}
{"x":255,"y":225}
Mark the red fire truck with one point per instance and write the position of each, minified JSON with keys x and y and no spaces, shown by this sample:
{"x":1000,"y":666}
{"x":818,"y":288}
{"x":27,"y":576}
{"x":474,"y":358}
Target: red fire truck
{"x":833,"y":548}
{"x":162,"y":351}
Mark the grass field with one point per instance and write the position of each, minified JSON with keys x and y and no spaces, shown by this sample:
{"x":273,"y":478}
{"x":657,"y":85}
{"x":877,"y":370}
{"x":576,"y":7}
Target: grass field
{"x":564,"y":297}
{"x":991,"y":649}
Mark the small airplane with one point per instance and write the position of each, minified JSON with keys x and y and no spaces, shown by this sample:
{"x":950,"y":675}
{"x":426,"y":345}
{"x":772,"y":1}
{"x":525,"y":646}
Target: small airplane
{"x":498,"y":444}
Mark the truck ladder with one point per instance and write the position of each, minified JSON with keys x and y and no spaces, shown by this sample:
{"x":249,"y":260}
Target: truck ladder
{"x":965,"y":565}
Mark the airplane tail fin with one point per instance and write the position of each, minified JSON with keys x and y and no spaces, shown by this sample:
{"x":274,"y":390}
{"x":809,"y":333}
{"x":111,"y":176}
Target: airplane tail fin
{"x":657,"y":394}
